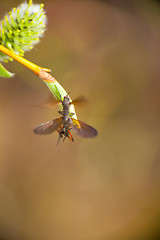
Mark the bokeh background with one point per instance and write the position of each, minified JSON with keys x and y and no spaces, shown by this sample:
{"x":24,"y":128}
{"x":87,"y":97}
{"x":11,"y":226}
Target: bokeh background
{"x":107,"y":188}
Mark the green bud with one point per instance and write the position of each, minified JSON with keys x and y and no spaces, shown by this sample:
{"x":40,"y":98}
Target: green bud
{"x":22,"y":28}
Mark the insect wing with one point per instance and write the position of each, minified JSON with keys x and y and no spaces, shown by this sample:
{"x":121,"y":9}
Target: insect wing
{"x":51,"y":102}
{"x":81,"y":101}
{"x":48,"y":127}
{"x":82,"y":129}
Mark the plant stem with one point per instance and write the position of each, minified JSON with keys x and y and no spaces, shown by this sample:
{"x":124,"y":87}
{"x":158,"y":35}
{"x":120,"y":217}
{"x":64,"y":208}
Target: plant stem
{"x":33,"y":67}
{"x":43,"y":73}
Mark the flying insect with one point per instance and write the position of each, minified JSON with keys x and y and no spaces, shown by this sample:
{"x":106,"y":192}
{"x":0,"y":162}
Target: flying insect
{"x":65,"y":123}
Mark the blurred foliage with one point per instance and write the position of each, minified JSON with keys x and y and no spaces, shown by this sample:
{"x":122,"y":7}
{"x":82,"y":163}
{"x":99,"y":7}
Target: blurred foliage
{"x":4,"y":72}
{"x":99,"y":189}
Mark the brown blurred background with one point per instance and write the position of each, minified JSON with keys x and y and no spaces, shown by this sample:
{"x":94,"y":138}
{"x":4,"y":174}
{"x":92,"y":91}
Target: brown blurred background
{"x":105,"y":188}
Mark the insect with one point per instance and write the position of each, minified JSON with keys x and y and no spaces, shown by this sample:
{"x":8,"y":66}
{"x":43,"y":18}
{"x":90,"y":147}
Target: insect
{"x":65,"y":123}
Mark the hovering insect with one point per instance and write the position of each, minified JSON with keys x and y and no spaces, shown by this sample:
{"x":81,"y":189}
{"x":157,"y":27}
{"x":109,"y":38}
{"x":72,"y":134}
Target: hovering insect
{"x":65,"y":123}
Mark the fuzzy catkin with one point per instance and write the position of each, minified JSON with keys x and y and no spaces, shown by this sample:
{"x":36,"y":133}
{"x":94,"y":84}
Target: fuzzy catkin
{"x":21,"y":29}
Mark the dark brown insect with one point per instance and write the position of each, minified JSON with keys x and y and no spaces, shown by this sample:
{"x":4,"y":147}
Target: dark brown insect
{"x":64,"y":124}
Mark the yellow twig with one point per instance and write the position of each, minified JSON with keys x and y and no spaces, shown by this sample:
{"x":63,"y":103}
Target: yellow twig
{"x":43,"y":73}
{"x":33,"y":67}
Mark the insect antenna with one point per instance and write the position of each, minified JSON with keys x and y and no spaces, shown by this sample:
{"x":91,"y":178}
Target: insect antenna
{"x":68,"y":94}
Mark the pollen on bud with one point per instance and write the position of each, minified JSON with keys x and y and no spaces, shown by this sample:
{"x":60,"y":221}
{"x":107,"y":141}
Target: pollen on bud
{"x":6,"y":18}
{"x":26,"y":22}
